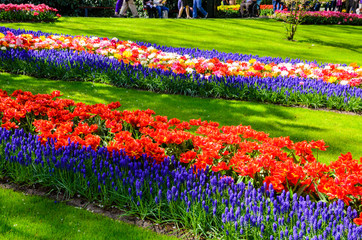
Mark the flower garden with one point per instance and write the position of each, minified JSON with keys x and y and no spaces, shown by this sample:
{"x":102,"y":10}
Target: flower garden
{"x":224,"y":182}
{"x":28,"y":13}
{"x":325,"y":17}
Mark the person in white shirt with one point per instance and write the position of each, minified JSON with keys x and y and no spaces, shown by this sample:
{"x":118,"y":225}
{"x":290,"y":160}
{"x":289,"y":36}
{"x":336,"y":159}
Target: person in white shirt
{"x":160,"y":6}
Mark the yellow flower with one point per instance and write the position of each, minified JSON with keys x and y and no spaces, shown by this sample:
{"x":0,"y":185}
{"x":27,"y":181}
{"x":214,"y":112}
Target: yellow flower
{"x":252,"y":60}
{"x":61,"y":38}
{"x":127,"y":54}
{"x":241,"y":73}
{"x":267,"y":67}
{"x":42,"y":38}
{"x":2,"y":35}
{"x":332,"y":79}
{"x":116,"y":55}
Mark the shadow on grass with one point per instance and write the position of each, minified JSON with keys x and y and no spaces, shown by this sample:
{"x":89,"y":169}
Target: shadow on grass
{"x":351,"y":47}
{"x":19,"y":210}
{"x":226,"y":112}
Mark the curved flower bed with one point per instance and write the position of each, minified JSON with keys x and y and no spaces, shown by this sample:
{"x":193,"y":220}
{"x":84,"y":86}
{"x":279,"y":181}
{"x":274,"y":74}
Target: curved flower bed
{"x":134,"y":54}
{"x":28,"y":13}
{"x":324,"y":17}
{"x":237,"y":151}
{"x":155,"y":76}
{"x":210,"y":205}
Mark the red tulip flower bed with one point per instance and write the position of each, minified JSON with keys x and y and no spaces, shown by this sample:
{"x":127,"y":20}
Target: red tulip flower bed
{"x":237,"y":151}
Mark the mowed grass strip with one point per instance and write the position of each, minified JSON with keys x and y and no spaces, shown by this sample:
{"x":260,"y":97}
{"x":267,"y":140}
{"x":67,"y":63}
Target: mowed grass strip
{"x":33,"y":217}
{"x":263,"y":37}
{"x":342,"y":132}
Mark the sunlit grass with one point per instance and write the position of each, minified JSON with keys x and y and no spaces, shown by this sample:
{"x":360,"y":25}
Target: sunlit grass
{"x":32,"y":217}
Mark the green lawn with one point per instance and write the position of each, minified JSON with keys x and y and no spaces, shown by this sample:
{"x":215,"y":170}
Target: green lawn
{"x":32,"y":217}
{"x":342,"y":132}
{"x":265,"y":37}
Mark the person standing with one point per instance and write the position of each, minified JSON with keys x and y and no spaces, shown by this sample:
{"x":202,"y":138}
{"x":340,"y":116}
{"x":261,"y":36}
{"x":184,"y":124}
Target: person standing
{"x":274,"y":3}
{"x":198,"y":6}
{"x":118,"y":7}
{"x":244,"y":4}
{"x":131,"y":5}
{"x":330,"y":5}
{"x":354,"y":6}
{"x":279,"y":5}
{"x":339,"y":5}
{"x":183,"y":4}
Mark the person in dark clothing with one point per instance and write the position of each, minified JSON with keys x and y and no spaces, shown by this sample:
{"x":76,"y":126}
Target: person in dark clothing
{"x":330,"y":5}
{"x":150,"y":8}
{"x":317,"y":6}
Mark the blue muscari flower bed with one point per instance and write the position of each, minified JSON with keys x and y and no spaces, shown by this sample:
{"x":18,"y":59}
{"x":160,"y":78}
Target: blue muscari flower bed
{"x":195,"y":52}
{"x":70,"y":65}
{"x":206,"y":204}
